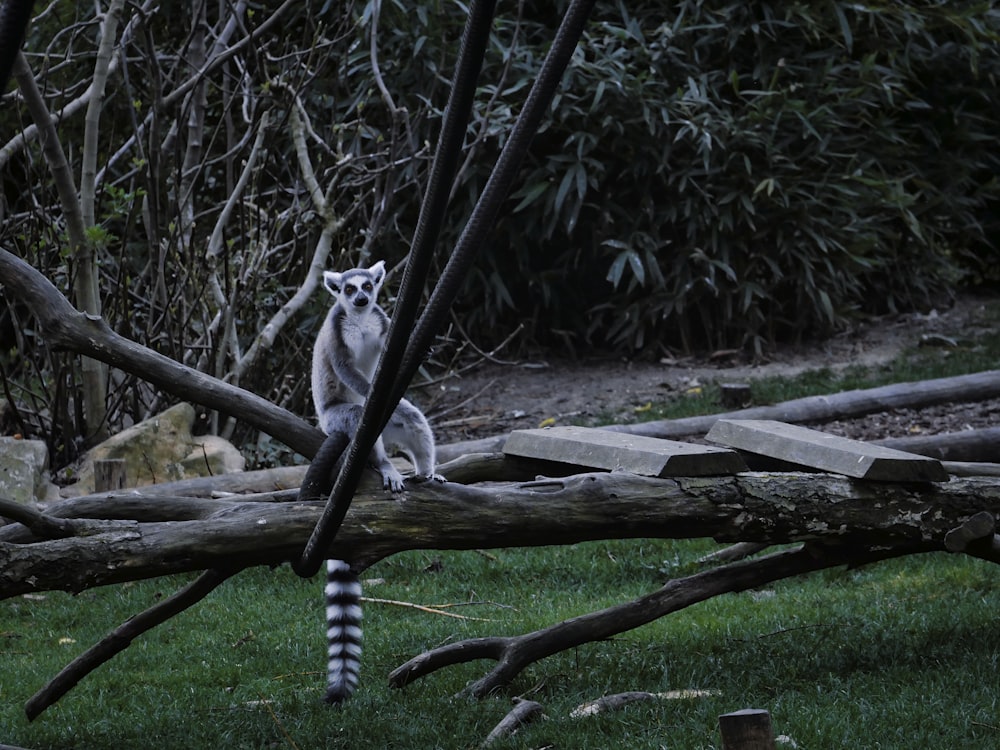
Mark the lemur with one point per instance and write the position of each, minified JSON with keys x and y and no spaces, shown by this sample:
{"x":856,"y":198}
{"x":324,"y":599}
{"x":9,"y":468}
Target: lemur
{"x":346,"y":353}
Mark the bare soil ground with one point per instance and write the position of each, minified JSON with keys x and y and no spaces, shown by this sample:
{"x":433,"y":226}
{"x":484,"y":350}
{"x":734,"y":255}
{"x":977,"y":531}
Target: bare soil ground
{"x":494,"y":398}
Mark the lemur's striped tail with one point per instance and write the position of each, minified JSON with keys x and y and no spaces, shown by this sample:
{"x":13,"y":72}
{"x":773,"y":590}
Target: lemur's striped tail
{"x":343,"y":630}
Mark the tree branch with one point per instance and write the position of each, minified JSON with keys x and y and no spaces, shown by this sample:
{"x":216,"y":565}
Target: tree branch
{"x":122,"y":637}
{"x":764,"y":508}
{"x":515,"y":653}
{"x":64,"y":327}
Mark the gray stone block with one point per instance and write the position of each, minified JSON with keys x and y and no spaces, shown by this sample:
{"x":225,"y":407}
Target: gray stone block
{"x":24,"y":466}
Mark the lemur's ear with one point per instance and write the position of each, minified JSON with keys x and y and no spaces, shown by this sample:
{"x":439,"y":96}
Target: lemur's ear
{"x":332,"y":282}
{"x":378,"y":272}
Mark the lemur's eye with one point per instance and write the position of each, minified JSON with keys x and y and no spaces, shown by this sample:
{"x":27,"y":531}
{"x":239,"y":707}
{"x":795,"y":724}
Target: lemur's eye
{"x":367,"y":286}
{"x":350,"y":289}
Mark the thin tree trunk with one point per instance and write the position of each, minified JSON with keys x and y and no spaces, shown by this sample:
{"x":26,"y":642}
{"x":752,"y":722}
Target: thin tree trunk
{"x":86,"y":285}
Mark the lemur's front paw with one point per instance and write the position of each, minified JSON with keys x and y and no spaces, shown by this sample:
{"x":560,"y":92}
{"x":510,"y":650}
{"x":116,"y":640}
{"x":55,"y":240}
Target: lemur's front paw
{"x":392,"y":480}
{"x":427,"y":478}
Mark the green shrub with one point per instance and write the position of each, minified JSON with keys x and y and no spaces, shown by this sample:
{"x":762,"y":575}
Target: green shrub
{"x":729,"y":174}
{"x":713,"y":174}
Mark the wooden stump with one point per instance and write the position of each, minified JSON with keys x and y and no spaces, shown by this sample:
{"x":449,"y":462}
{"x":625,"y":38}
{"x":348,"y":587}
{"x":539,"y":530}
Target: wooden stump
{"x":735,"y":395}
{"x":109,"y":475}
{"x":749,"y":729}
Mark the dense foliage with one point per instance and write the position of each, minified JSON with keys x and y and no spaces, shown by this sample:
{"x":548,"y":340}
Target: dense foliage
{"x":728,"y":173}
{"x":713,"y":174}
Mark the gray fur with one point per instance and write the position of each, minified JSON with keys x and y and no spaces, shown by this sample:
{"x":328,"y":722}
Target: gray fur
{"x":344,"y":359}
{"x":346,"y":354}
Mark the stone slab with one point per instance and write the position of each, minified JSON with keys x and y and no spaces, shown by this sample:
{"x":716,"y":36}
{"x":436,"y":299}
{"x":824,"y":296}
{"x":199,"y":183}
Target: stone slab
{"x":820,"y":450}
{"x":591,"y":448}
{"x":23,"y":470}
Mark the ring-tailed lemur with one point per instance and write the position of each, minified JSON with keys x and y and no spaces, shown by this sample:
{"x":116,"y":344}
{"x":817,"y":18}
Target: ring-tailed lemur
{"x":344,"y":359}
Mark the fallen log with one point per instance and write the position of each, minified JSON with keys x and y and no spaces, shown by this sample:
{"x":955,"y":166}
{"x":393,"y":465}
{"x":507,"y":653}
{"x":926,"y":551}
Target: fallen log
{"x":235,"y":532}
{"x":980,"y":446}
{"x":855,"y":403}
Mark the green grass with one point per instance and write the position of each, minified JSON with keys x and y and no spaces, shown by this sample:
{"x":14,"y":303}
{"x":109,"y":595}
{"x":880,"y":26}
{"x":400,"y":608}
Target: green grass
{"x":899,"y":655}
{"x":971,"y":355}
{"x":903,"y":654}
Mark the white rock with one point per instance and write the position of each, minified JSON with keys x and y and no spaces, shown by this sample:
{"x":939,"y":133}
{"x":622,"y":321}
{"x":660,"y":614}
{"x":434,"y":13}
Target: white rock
{"x":160,"y":449}
{"x":24,"y":470}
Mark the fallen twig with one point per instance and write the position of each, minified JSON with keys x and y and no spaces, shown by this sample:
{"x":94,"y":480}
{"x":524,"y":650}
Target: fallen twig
{"x":619,"y":700}
{"x":432,"y":609}
{"x":523,"y":712}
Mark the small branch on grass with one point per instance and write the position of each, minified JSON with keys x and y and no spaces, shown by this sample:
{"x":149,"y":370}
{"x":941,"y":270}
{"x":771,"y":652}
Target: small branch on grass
{"x":611,"y":703}
{"x":434,"y":610}
{"x":120,"y":639}
{"x":523,"y":712}
{"x":620,"y":700}
{"x":515,"y":653}
{"x":274,"y":717}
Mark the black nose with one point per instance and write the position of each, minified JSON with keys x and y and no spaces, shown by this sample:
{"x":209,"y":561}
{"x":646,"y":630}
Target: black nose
{"x":360,"y":301}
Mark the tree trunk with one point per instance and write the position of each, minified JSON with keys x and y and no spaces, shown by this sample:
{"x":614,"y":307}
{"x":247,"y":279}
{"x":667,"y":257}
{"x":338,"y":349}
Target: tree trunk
{"x":126,"y":536}
{"x":981,"y":445}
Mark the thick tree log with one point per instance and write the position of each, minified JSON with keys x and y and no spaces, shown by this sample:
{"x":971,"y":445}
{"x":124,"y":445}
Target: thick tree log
{"x":976,"y":387}
{"x":764,"y":508}
{"x":971,"y":469}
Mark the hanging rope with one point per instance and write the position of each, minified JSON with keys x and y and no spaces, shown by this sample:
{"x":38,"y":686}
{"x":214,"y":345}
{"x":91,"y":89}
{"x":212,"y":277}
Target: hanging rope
{"x":497,"y":187}
{"x":380,"y":405}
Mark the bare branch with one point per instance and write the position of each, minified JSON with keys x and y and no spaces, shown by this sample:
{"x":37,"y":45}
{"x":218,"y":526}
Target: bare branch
{"x":122,"y":637}
{"x":67,"y":328}
{"x":515,"y":653}
{"x":523,"y":712}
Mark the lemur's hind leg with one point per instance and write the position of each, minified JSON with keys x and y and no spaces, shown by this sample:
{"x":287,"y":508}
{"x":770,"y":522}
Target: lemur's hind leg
{"x":408,"y":432}
{"x":346,"y":418}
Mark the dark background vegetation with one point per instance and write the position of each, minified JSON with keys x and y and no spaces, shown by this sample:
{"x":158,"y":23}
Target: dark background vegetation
{"x":713,"y":174}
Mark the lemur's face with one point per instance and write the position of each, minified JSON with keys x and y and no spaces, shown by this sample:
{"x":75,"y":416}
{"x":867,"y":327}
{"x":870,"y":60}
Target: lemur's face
{"x":356,"y":288}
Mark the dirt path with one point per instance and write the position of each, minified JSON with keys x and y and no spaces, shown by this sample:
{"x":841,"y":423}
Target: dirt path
{"x":496,"y":398}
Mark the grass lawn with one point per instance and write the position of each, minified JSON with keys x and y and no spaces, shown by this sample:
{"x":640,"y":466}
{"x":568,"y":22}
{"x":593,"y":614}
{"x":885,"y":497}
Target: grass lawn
{"x":903,"y":654}
{"x":899,"y":655}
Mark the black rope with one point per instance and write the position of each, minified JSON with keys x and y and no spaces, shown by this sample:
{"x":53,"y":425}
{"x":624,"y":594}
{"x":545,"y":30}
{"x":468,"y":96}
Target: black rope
{"x":379,"y":405}
{"x":497,"y":187}
{"x":472,"y":238}
{"x":14,"y":17}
